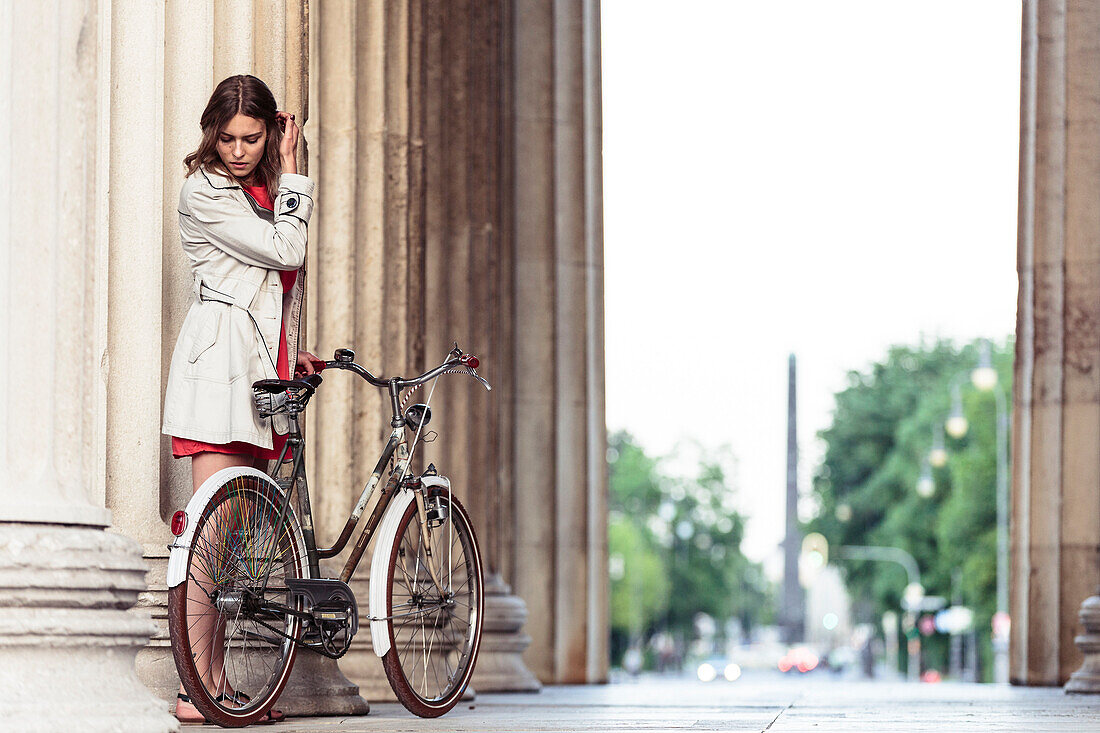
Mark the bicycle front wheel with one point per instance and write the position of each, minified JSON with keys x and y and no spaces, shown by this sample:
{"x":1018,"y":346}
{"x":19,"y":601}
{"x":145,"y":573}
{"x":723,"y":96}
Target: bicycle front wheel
{"x":232,"y":632}
{"x":434,"y":627}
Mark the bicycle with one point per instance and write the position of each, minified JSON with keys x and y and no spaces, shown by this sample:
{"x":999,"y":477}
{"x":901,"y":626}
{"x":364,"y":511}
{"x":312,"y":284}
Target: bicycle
{"x":245,"y":587}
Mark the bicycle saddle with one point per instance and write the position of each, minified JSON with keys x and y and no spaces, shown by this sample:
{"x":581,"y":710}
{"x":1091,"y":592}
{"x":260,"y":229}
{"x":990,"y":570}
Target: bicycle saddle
{"x":309,"y":382}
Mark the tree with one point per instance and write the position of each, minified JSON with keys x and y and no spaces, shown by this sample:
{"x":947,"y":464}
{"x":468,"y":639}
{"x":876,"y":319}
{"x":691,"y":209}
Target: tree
{"x":876,"y":449}
{"x":675,"y":544}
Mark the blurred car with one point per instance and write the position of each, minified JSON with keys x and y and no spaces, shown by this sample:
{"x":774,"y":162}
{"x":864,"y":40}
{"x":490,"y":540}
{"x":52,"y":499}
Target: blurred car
{"x":798,"y":659}
{"x":712,"y":668}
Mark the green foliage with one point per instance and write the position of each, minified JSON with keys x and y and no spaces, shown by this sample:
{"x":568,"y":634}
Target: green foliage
{"x":640,"y":585}
{"x":875,"y":450}
{"x":675,"y":545}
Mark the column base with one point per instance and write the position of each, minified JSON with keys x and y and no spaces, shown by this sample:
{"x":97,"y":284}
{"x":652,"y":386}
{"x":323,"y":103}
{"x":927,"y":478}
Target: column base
{"x":360,"y":663}
{"x":318,"y":687}
{"x":1086,"y":680}
{"x":155,"y":665}
{"x":67,"y":640}
{"x":500,"y":666}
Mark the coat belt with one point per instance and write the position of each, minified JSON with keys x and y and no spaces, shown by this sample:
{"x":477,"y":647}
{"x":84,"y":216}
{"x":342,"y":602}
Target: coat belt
{"x":206,"y":293}
{"x":201,"y":288}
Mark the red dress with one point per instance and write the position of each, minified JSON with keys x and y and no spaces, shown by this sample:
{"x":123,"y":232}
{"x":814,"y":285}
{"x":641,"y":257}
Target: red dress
{"x":184,"y":446}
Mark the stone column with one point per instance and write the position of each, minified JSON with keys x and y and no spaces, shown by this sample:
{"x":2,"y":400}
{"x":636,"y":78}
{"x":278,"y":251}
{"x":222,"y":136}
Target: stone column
{"x":599,"y":623}
{"x":483,"y":323}
{"x":135,"y":292}
{"x":67,"y":641}
{"x":364,"y":277}
{"x":534,"y":450}
{"x":560,"y":440}
{"x":500,"y":666}
{"x":570,"y":350}
{"x":1056,"y":497}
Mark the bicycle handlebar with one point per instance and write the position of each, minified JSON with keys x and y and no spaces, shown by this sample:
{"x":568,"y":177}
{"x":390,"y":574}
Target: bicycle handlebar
{"x":344,"y":360}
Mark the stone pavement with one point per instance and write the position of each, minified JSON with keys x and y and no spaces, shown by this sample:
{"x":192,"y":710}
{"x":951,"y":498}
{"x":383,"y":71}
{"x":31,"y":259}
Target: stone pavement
{"x":760,"y":701}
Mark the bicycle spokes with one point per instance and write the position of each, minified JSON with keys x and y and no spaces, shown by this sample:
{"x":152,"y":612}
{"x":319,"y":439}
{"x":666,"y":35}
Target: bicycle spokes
{"x":434,"y":627}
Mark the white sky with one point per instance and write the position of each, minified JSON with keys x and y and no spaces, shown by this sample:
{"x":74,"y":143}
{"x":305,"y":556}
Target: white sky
{"x":822,"y":178}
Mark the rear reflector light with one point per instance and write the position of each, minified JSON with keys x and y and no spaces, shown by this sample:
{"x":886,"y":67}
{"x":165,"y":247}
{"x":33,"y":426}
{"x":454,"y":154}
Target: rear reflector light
{"x":179,"y":522}
{"x":470,"y":360}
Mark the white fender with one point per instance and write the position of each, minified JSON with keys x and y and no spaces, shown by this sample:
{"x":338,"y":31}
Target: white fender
{"x":379,"y":566}
{"x":181,"y":547}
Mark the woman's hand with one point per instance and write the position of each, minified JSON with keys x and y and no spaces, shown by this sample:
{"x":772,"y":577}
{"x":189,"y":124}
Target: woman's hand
{"x":304,"y":366}
{"x":288,"y":146}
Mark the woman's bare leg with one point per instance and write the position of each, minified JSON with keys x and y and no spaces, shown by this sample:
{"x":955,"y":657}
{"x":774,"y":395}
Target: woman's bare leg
{"x":208,"y":628}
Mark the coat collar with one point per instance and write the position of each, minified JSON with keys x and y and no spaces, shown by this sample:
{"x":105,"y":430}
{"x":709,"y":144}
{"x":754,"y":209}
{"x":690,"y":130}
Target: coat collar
{"x":218,"y":180}
{"x":223,"y":182}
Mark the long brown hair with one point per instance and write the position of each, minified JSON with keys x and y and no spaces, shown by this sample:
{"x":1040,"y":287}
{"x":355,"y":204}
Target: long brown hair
{"x":246,"y":95}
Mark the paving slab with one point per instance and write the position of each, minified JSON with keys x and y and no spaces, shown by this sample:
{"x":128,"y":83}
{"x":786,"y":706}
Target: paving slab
{"x":758,"y":702}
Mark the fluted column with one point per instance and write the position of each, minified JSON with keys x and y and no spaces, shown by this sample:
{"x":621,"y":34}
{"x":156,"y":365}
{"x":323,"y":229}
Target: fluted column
{"x":369,"y":267}
{"x":598,"y":614}
{"x":570,"y":349}
{"x":534,"y":452}
{"x":560,"y":441}
{"x":66,"y":636}
{"x":137,"y":285}
{"x":1056,"y":496}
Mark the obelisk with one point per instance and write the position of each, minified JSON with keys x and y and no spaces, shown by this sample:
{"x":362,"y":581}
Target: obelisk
{"x":791,"y":615}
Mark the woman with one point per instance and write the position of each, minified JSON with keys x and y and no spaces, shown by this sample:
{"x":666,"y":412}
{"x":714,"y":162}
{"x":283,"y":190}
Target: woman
{"x":243,"y":212}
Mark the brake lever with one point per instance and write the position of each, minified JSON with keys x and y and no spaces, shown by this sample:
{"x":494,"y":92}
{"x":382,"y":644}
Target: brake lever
{"x":473,"y":373}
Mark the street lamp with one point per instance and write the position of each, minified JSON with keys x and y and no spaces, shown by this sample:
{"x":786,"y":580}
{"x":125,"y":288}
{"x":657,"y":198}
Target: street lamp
{"x":926,"y":486}
{"x":984,"y":376}
{"x":938,"y":455}
{"x":957,"y":424}
{"x":913,"y":596}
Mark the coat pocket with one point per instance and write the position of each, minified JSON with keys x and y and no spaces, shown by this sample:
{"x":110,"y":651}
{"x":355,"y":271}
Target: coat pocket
{"x":206,"y":334}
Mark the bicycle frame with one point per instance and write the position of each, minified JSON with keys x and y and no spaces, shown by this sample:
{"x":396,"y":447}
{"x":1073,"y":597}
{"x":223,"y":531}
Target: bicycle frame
{"x":371,"y":499}
{"x":377,"y":502}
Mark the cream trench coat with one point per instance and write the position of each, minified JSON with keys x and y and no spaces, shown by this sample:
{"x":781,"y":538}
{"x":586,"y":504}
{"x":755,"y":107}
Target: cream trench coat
{"x":230,"y":336}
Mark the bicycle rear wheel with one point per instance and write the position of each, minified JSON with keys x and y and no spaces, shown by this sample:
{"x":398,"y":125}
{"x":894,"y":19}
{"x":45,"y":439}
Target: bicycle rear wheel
{"x":435,"y":630}
{"x":232,"y":634}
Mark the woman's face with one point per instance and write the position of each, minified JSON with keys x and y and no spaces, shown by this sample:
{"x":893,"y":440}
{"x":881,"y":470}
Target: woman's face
{"x":241,"y":145}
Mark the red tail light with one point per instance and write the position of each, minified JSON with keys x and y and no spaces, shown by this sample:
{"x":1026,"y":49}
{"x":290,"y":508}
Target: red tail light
{"x":470,"y":360}
{"x":179,"y":522}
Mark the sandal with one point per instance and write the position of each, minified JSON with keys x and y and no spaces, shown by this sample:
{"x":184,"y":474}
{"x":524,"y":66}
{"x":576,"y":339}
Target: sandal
{"x":241,"y":699}
{"x":180,"y":697}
